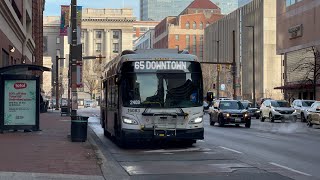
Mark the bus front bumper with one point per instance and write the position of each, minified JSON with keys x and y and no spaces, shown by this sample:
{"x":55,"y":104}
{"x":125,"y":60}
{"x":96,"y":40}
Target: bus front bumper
{"x":193,"y":134}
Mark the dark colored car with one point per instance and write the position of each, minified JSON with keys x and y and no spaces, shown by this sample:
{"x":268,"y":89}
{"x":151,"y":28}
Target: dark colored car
{"x":253,"y":111}
{"x":229,"y":112}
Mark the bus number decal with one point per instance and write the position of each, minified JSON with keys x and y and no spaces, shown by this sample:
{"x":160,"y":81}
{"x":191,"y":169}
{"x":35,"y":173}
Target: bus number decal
{"x":134,"y":102}
{"x":133,"y":110}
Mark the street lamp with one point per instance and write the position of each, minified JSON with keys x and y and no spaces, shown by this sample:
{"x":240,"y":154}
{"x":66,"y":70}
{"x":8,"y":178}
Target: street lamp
{"x":57,"y":81}
{"x":253,"y":67}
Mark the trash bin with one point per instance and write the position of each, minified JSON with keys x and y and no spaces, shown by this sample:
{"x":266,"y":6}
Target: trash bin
{"x":79,"y":126}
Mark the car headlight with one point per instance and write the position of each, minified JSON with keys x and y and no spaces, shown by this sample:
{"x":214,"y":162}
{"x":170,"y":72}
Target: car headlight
{"x":226,"y":115}
{"x":258,"y":111}
{"x":129,"y":121}
{"x":295,"y":111}
{"x":246,"y":115}
{"x":196,"y":120}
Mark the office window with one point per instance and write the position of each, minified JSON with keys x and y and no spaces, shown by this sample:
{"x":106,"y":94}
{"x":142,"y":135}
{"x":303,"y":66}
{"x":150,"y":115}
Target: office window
{"x":187,"y":25}
{"x":194,"y":45}
{"x":116,"y":34}
{"x":177,"y":37}
{"x":201,"y":48}
{"x":98,"y":47}
{"x":194,"y":25}
{"x":98,"y":34}
{"x":291,"y":2}
{"x":58,"y":52}
{"x":116,"y":47}
{"x":201,"y":25}
{"x":58,"y":40}
{"x":188,"y":42}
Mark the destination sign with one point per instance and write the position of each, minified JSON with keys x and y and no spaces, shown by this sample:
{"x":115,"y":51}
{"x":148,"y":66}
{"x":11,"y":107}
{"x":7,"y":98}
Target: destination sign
{"x":160,"y":65}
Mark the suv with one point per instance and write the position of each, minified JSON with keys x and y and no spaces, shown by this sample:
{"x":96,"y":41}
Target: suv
{"x":229,"y":112}
{"x":277,"y":110}
{"x":301,"y":106}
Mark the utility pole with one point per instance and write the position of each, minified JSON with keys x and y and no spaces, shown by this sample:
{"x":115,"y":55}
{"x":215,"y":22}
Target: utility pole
{"x":73,"y":56}
{"x":218,"y":70}
{"x":234,"y":67}
{"x":253,"y":68}
{"x":57,"y":82}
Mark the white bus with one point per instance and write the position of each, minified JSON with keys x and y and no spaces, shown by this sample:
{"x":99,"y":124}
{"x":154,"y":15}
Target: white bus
{"x":152,"y":94}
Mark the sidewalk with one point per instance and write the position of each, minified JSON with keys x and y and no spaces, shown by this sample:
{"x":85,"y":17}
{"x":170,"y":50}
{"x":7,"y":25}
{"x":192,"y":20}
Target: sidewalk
{"x":49,"y":151}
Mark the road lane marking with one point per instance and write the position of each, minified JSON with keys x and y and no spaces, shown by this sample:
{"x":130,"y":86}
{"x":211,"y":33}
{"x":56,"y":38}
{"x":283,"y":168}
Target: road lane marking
{"x":231,"y":150}
{"x":290,"y":169}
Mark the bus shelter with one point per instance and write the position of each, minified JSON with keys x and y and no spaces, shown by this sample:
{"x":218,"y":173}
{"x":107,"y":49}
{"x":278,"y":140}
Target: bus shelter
{"x":20,"y":97}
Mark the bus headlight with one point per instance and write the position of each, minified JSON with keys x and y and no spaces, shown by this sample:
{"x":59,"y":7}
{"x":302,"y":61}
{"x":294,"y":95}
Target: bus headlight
{"x":196,"y":120}
{"x":129,"y":121}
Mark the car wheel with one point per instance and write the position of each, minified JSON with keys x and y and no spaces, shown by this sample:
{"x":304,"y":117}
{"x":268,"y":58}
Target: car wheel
{"x":303,"y":119}
{"x":248,"y":124}
{"x":309,"y":124}
{"x":271,"y":118}
{"x":221,"y":121}
{"x":262,"y":119}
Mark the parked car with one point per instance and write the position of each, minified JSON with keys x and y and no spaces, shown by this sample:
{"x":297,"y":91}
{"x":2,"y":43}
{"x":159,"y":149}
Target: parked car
{"x":229,"y":112}
{"x":301,"y":106}
{"x":88,"y":103}
{"x":254,"y":111}
{"x":313,"y":117}
{"x":277,"y":110}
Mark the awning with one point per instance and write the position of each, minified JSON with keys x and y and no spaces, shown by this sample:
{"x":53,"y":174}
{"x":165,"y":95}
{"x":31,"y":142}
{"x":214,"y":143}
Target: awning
{"x":22,"y":69}
{"x":296,"y":86}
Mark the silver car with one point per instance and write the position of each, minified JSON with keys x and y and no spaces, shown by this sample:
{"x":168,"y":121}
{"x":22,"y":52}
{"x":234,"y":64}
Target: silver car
{"x":277,"y":110}
{"x":302,"y":106}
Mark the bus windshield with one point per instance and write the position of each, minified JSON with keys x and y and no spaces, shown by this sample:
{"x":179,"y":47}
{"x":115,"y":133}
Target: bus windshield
{"x":162,"y":90}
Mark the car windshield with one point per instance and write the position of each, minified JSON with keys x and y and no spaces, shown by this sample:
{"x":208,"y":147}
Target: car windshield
{"x":279,"y":104}
{"x":307,"y":103}
{"x":231,"y":105}
{"x":246,"y":104}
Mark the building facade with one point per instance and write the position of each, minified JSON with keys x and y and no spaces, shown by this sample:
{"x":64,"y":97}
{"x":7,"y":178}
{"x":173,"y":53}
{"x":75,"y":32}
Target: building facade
{"x":53,"y":45}
{"x":145,"y":41}
{"x":16,"y":32}
{"x":141,"y":27}
{"x":186,"y":31}
{"x":298,"y":41}
{"x":157,"y":10}
{"x":236,"y":32}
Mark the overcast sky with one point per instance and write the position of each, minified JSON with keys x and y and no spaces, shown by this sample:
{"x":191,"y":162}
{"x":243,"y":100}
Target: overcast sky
{"x":53,"y":6}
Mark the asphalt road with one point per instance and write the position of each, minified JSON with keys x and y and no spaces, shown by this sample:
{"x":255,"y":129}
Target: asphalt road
{"x":265,"y":151}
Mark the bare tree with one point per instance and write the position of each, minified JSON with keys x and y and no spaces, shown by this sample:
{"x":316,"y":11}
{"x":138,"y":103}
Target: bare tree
{"x":310,"y":69}
{"x":90,"y":81}
{"x":209,"y":74}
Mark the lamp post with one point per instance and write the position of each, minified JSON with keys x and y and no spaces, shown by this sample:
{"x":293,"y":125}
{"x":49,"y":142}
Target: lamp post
{"x":57,"y":81}
{"x":253,"y":67}
{"x":218,"y":69}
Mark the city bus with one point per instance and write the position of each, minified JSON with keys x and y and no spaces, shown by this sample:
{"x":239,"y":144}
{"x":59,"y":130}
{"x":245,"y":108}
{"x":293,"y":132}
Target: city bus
{"x":152,"y":94}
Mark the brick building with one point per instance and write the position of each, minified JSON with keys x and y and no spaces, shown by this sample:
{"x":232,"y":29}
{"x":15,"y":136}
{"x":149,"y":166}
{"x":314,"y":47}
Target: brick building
{"x":186,"y":31}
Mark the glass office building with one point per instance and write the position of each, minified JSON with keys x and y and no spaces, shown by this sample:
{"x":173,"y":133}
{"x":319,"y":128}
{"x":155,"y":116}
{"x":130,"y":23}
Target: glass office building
{"x":226,"y":6}
{"x":243,"y":2}
{"x":157,"y":10}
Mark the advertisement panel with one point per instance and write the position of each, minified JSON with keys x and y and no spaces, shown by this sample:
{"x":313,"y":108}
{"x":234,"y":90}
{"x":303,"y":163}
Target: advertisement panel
{"x":65,"y":20}
{"x":20,"y":100}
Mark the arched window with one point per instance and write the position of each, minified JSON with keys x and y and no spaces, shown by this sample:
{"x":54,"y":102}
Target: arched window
{"x":194,"y":25}
{"x":201,"y":25}
{"x":188,"y":25}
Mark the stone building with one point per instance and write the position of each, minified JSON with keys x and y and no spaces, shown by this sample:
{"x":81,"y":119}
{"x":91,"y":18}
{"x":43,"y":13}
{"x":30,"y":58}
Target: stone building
{"x":298,"y":41}
{"x":252,"y":23}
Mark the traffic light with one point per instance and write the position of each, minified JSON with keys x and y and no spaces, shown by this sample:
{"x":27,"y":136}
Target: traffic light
{"x":214,"y":86}
{"x":218,"y":67}
{"x":229,"y":66}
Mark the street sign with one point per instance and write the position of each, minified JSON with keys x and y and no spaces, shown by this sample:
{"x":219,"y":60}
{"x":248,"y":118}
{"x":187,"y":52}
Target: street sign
{"x":222,"y":87}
